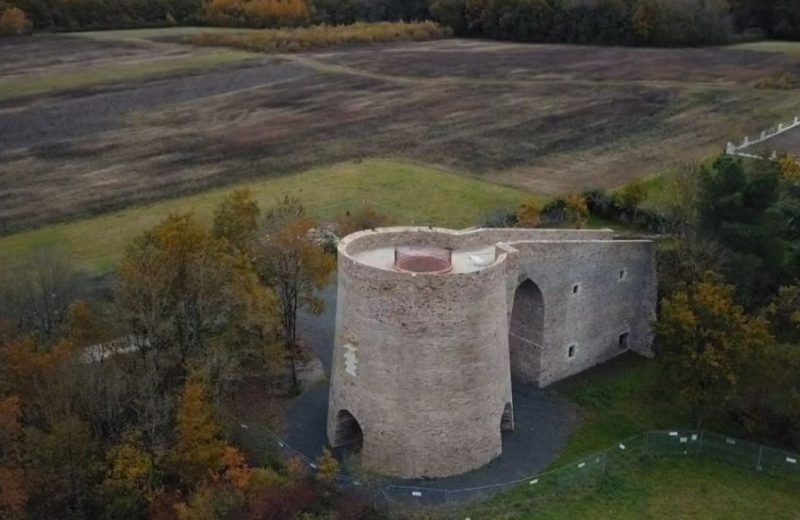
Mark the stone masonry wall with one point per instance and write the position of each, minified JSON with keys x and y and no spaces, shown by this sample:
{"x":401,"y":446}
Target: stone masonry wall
{"x":423,"y":362}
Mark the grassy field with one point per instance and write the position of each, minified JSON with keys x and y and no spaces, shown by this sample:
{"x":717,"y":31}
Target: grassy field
{"x":105,"y":74}
{"x":666,"y":488}
{"x":790,"y":48}
{"x":406,"y":192}
{"x":617,"y":401}
{"x":546,"y":118}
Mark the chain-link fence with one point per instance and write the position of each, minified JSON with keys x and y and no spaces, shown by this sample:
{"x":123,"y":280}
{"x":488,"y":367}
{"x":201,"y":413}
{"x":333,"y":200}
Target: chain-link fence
{"x":576,"y":473}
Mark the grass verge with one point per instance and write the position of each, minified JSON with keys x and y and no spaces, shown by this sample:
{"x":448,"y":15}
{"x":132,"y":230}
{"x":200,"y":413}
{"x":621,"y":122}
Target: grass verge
{"x":783,"y":47}
{"x":668,"y":488}
{"x":408,"y":193}
{"x":119,"y":73}
{"x":618,"y":401}
{"x":316,"y":36}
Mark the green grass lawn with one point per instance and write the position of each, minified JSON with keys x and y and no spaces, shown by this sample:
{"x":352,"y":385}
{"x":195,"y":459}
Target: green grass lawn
{"x":790,"y":48}
{"x":617,"y":401}
{"x":118,"y":73}
{"x":408,"y":193}
{"x":663,"y":488}
{"x":157,"y":33}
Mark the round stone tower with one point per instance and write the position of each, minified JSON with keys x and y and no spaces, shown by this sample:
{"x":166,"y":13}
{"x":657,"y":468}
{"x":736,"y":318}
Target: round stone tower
{"x":420,"y":376}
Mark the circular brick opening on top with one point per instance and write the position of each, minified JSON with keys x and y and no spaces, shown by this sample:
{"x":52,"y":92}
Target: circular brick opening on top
{"x":428,"y":260}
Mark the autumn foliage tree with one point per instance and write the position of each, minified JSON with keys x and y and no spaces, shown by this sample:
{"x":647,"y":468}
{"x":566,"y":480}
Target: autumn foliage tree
{"x":13,"y":22}
{"x":706,"y":343}
{"x":199,"y":446}
{"x":176,"y":286}
{"x":237,"y":219}
{"x":13,"y":492}
{"x":295,"y":266}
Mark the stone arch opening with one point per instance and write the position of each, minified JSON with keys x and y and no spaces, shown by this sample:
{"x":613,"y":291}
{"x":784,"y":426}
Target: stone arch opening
{"x":507,"y":419}
{"x":526,"y":331}
{"x":347,"y":432}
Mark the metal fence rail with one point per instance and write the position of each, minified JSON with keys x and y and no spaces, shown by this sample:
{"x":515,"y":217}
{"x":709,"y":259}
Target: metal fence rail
{"x":577,"y":473}
{"x":766,"y":135}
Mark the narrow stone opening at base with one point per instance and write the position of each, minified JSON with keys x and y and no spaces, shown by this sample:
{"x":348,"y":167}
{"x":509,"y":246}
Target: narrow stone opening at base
{"x":348,"y":431}
{"x":507,"y":420}
{"x":429,"y":260}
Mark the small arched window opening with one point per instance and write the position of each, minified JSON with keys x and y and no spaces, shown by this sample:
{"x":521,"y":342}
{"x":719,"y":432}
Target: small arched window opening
{"x":348,"y":432}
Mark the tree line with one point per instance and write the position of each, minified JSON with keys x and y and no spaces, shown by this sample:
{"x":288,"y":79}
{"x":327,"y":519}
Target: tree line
{"x":729,"y":328}
{"x":120,"y":406}
{"x":621,"y":22}
{"x":610,"y":22}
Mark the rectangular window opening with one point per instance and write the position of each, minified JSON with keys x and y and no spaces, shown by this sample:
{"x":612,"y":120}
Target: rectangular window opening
{"x":623,"y":340}
{"x":571,"y":351}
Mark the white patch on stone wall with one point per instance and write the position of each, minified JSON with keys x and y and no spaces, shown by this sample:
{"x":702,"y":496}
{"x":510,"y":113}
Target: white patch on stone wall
{"x":351,"y":359}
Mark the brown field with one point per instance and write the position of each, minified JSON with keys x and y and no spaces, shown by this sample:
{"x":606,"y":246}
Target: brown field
{"x":550,"y":119}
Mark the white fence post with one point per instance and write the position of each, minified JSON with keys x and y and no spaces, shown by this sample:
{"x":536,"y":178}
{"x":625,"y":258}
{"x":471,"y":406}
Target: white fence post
{"x":760,"y":456}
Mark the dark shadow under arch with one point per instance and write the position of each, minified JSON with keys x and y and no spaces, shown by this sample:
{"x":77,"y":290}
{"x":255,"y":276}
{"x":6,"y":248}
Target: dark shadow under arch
{"x":347,"y":432}
{"x":507,"y":420}
{"x":526,"y":331}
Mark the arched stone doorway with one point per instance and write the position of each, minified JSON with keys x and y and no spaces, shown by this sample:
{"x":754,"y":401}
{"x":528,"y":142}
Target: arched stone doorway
{"x":526,"y":332}
{"x":348,"y":431}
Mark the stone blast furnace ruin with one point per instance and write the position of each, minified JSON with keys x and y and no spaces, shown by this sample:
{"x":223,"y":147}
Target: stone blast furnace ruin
{"x":432,"y":323}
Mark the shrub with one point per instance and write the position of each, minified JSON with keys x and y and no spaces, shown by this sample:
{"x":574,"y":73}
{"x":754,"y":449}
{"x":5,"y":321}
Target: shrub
{"x":528,"y":215}
{"x":328,"y":467}
{"x":576,"y":210}
{"x":500,"y":219}
{"x":287,"y":40}
{"x":14,"y":22}
{"x":366,"y":217}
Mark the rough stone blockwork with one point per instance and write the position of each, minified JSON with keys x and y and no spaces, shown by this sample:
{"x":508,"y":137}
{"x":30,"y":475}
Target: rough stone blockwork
{"x":422,"y":362}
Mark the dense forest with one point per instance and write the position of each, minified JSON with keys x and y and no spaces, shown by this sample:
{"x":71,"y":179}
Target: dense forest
{"x":119,"y":404}
{"x":610,"y":22}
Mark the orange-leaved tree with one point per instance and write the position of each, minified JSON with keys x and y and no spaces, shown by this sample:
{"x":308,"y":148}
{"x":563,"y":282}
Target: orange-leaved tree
{"x":14,"y":21}
{"x":296,"y":267}
{"x":236,"y":219}
{"x":199,"y":447}
{"x":705,"y":344}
